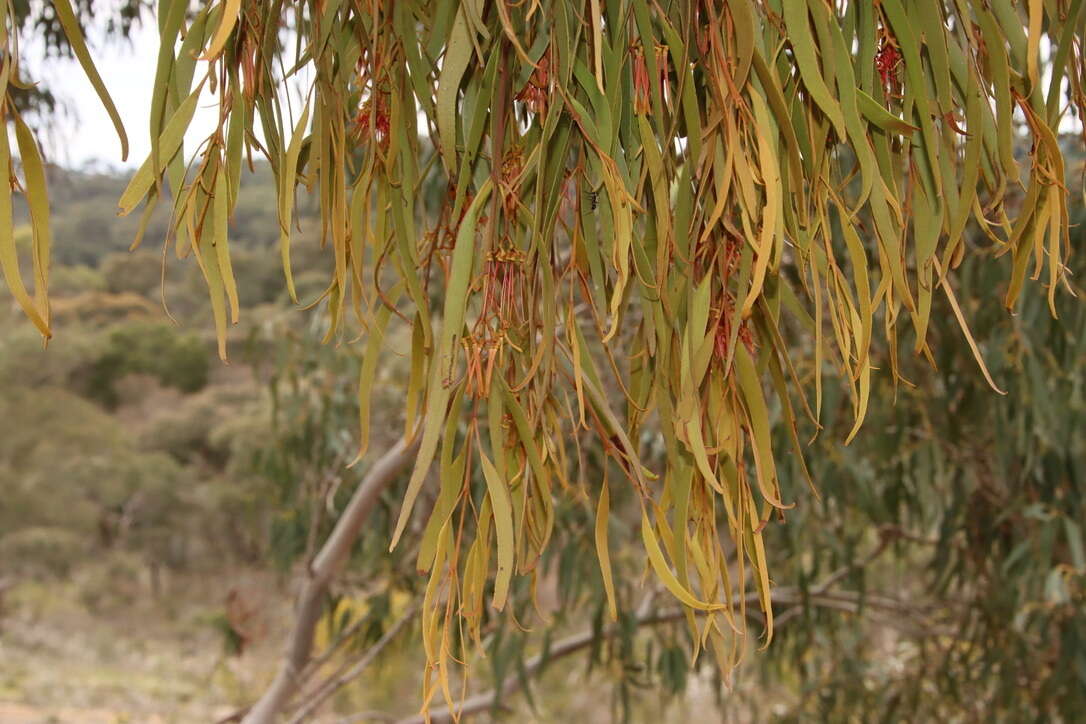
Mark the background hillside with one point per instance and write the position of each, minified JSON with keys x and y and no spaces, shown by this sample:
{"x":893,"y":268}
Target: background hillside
{"x":138,"y":514}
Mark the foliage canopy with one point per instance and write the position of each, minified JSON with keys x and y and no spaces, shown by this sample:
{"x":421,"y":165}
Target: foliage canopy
{"x":664,"y":222}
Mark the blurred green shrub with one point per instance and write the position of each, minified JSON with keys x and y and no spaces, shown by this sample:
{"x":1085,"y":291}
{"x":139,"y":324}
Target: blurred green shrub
{"x":66,"y":281}
{"x":177,"y":359}
{"x":51,"y":550}
{"x":138,"y":272}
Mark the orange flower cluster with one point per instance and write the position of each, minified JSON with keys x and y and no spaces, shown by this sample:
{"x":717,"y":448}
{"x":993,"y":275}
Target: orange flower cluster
{"x":729,"y":260}
{"x":503,"y":285}
{"x":372,"y":121}
{"x":641,"y":80}
{"x":887,"y":61}
{"x":512,"y":166}
{"x":536,"y":91}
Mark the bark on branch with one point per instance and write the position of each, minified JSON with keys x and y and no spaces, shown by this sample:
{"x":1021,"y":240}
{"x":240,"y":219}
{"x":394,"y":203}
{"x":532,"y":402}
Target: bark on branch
{"x":327,"y":563}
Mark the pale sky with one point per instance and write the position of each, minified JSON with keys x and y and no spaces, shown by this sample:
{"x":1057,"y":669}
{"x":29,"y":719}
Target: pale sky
{"x":128,"y":68}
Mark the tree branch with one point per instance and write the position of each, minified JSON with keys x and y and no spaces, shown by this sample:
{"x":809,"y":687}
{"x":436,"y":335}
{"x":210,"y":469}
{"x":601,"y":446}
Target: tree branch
{"x":345,"y":675}
{"x":570,"y":645}
{"x":324,"y":568}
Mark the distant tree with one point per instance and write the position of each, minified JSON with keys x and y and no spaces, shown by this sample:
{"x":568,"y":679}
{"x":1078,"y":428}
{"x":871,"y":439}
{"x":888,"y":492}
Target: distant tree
{"x":136,"y":273}
{"x":176,"y":359}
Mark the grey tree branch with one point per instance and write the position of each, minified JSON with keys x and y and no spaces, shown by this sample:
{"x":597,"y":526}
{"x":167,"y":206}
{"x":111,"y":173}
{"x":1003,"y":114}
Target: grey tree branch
{"x":327,"y":563}
{"x":562,"y":648}
{"x":845,"y":601}
{"x":345,"y":675}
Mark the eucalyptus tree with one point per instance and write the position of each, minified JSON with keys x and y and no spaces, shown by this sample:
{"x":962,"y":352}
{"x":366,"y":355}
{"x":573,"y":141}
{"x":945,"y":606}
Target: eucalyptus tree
{"x":679,"y":226}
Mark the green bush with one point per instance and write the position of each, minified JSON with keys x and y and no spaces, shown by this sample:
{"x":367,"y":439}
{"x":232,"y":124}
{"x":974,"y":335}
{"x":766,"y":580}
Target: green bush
{"x":86,"y":233}
{"x":24,"y":358}
{"x":138,"y":272}
{"x":67,"y":281}
{"x":42,"y":550}
{"x":177,"y":359}
{"x":184,"y":431}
